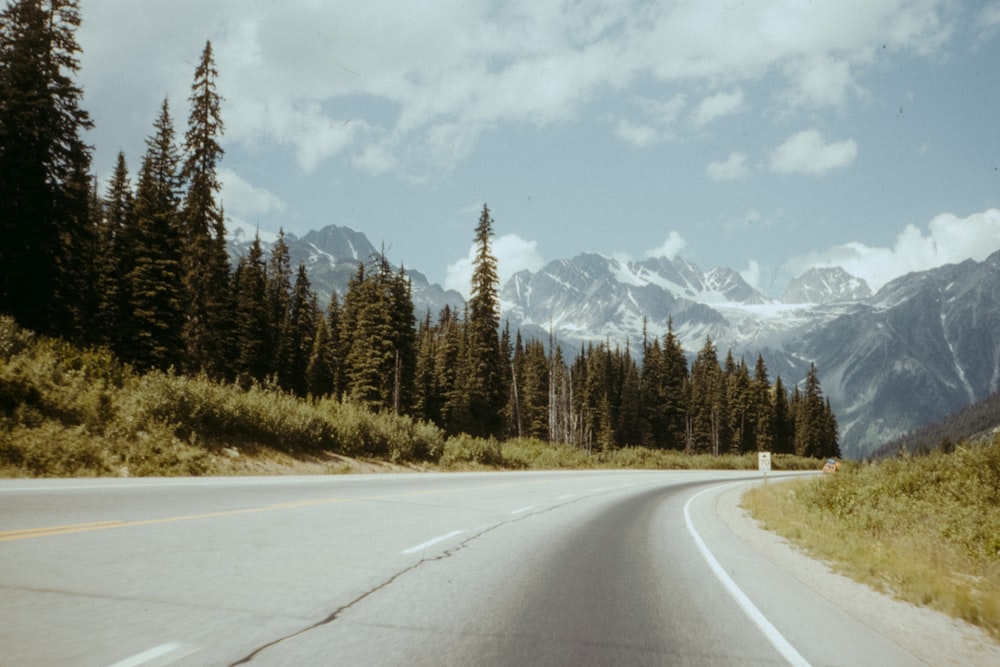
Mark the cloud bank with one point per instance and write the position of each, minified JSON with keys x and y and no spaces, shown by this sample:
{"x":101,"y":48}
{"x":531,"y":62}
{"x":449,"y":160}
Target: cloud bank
{"x":424,"y":81}
{"x":947,"y":240}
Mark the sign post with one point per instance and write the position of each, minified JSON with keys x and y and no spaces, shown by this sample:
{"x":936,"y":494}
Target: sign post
{"x":764,"y":463}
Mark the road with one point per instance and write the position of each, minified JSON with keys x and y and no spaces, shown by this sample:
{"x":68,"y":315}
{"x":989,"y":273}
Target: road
{"x":539,"y":568}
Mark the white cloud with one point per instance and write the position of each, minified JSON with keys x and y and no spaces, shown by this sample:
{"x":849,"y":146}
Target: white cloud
{"x":732,"y":168}
{"x":807,"y":152}
{"x":663,"y":112}
{"x":321,"y":77}
{"x":948,"y":239}
{"x":245,"y":201}
{"x":717,"y":106}
{"x":670,"y":248}
{"x":820,"y":81}
{"x":988,"y":21}
{"x":636,"y":134}
{"x":752,"y":274}
{"x":513,"y":254}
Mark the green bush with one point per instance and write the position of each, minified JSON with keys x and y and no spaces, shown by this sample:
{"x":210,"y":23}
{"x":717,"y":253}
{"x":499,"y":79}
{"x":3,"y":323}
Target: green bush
{"x":464,"y":450}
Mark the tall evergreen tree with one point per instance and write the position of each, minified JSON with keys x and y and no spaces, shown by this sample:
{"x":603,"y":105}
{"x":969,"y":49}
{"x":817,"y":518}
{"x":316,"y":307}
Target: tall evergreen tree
{"x":708,"y":397}
{"x":324,"y":369}
{"x":784,"y":419}
{"x":299,"y":335}
{"x":252,"y":319}
{"x":812,"y":437}
{"x":44,"y":163}
{"x":533,"y":390}
{"x":763,"y":408}
{"x":155,"y":279}
{"x":379,"y":339}
{"x":278,"y":296}
{"x":426,"y":401}
{"x":484,"y":386}
{"x":115,"y":261}
{"x":739,"y":404}
{"x":208,"y":306}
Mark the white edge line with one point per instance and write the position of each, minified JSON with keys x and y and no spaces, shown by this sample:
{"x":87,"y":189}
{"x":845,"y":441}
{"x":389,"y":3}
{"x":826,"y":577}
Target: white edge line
{"x":523,"y":509}
{"x":432,"y":542}
{"x":777,"y":640}
{"x":148,"y":656}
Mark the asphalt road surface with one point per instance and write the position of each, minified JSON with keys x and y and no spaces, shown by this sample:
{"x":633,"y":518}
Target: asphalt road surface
{"x":540,"y":568}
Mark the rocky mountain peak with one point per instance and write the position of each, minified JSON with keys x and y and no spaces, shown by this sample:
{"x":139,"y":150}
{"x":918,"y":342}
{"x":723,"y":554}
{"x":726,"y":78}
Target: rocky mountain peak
{"x":821,"y":285}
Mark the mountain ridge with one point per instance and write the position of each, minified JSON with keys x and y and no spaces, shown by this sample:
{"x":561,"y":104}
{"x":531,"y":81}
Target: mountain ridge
{"x":921,"y":346}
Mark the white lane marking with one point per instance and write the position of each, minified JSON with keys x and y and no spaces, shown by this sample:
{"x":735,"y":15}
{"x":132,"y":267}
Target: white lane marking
{"x":568,"y":495}
{"x":432,"y":542}
{"x":150,"y":655}
{"x":777,"y":640}
{"x":523,"y":509}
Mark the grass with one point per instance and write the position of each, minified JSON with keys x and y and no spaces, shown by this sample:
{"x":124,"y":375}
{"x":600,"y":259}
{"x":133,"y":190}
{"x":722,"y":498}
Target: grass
{"x":67,"y":411}
{"x":925,"y":530}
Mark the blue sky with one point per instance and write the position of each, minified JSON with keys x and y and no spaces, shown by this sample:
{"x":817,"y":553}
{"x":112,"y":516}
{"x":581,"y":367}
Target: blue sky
{"x":764,"y":136}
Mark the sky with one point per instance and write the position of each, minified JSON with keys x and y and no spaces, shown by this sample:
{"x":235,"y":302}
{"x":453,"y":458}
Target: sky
{"x":769,"y":137}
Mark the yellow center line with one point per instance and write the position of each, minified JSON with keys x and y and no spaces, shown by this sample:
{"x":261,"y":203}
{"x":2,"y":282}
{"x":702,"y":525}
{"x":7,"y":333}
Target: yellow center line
{"x":29,"y":533}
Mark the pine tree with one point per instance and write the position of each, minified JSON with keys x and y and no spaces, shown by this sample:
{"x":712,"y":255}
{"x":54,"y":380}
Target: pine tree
{"x":324,"y":368}
{"x":278,"y":296}
{"x":404,"y":328}
{"x":739,"y":403}
{"x":207,"y":323}
{"x":299,"y":336}
{"x":784,"y":419}
{"x":115,"y":261}
{"x":252,"y":319}
{"x":486,"y":393}
{"x":811,"y":422}
{"x":533,"y":390}
{"x":155,"y":279}
{"x":763,"y":408}
{"x":44,"y":187}
{"x":630,"y":414}
{"x":379,"y":338}
{"x":450,"y":357}
{"x":708,"y":398}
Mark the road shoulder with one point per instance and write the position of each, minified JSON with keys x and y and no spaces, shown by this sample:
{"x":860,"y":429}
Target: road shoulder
{"x":929,"y":635}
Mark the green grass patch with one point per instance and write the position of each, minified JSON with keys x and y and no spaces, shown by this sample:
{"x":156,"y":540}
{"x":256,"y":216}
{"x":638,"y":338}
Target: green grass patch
{"x":924,"y":529}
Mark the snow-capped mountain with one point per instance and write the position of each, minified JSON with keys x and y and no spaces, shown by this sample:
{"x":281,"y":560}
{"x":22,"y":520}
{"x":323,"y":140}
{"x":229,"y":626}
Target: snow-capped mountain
{"x":921,"y":347}
{"x":926,"y":344}
{"x":332,"y":255}
{"x":826,"y":285}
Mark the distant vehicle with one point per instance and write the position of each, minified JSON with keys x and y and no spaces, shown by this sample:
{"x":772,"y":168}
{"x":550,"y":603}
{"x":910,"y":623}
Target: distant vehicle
{"x":831,"y":465}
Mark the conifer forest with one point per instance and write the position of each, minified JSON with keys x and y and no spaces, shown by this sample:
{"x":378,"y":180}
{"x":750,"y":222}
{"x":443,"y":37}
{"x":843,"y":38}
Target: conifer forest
{"x":138,"y":266}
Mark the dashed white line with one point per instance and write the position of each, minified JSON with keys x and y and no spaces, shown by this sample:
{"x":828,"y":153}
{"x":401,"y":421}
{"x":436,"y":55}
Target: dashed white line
{"x":432,"y":542}
{"x":568,"y":495}
{"x":777,"y":640}
{"x":150,"y":655}
{"x":523,"y":509}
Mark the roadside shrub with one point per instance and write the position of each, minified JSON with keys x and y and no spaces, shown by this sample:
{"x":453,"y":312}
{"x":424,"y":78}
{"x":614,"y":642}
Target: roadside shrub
{"x":464,"y":450}
{"x":926,"y":529}
{"x":532,"y":454}
{"x":51,"y":450}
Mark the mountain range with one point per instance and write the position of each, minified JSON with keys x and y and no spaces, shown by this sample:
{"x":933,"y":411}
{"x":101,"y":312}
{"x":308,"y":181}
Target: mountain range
{"x":922,"y":346}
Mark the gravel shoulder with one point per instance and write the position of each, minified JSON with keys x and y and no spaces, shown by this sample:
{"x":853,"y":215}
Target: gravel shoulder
{"x":929,"y":635}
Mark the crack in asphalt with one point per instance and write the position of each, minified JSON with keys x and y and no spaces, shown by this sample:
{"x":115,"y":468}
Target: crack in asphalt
{"x":447,"y":553}
{"x":388,"y":582}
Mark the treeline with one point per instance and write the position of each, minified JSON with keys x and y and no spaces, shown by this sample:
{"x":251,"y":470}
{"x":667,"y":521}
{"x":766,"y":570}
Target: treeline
{"x":981,"y":419}
{"x":142,"y":270}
